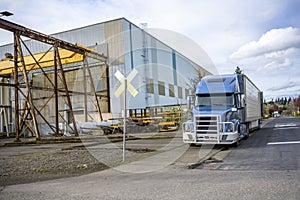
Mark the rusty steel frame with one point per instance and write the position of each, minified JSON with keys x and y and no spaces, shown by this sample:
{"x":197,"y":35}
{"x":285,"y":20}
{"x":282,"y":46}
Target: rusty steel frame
{"x":97,"y":105}
{"x":26,"y":114}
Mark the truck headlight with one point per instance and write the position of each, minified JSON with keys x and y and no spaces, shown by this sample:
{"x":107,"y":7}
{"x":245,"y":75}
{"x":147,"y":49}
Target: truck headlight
{"x":229,"y":128}
{"x":188,"y":127}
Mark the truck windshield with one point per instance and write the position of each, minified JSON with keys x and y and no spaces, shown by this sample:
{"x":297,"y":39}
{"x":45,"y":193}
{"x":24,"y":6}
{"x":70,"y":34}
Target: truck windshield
{"x":214,"y":100}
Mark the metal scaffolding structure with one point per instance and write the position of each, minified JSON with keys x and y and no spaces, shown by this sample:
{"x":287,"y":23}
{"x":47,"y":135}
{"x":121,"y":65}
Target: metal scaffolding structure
{"x":28,"y":114}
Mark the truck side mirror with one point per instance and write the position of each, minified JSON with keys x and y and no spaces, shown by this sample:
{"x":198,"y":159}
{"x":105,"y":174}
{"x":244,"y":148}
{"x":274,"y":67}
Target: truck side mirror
{"x":243,"y":101}
{"x":190,"y":102}
{"x":240,"y":100}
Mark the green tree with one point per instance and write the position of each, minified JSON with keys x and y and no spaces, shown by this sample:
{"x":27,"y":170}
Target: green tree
{"x":238,"y":70}
{"x":285,"y":101}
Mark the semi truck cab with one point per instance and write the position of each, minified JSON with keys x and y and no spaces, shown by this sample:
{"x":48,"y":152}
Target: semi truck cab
{"x":225,"y":109}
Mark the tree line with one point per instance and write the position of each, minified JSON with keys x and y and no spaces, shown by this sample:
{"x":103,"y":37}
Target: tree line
{"x":283,"y":105}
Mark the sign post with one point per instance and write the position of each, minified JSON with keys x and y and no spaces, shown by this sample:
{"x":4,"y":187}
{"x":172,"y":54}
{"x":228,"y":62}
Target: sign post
{"x":124,"y":87}
{"x":125,"y":116}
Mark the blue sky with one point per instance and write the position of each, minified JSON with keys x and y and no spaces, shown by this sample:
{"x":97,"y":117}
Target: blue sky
{"x":260,"y":36}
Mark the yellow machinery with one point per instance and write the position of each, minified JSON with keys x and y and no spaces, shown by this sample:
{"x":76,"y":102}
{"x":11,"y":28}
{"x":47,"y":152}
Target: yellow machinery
{"x":44,"y":60}
{"x":164,"y":118}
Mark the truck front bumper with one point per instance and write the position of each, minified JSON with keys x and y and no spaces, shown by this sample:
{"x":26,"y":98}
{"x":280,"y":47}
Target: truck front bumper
{"x":192,"y":137}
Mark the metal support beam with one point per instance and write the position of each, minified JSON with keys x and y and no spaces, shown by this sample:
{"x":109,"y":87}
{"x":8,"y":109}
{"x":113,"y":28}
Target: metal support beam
{"x":35,"y":35}
{"x":56,"y":94}
{"x":27,"y":84}
{"x":16,"y":82}
{"x":62,"y":73}
{"x":94,"y":93}
{"x":26,"y":115}
{"x":84,"y":68}
{"x":23,"y":31}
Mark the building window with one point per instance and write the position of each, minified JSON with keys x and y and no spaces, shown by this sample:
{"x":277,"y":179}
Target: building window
{"x":171,"y":90}
{"x":150,"y":86}
{"x":161,"y":88}
{"x":187,"y":93}
{"x":180,"y":92}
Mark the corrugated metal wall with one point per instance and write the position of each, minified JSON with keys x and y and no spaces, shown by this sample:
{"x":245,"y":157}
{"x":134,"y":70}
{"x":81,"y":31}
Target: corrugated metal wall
{"x":125,"y":45}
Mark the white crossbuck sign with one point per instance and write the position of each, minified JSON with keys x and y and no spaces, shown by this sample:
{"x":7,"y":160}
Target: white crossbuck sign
{"x":123,"y":79}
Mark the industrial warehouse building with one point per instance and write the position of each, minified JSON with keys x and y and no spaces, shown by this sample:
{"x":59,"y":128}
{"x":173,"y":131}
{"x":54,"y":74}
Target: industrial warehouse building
{"x":157,"y":75}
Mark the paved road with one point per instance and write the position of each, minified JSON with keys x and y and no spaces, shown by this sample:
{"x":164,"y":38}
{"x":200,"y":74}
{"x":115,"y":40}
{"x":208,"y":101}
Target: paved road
{"x":275,"y":147}
{"x":261,"y":168}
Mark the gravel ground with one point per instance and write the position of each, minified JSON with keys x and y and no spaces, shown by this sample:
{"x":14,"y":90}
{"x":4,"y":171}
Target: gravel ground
{"x":38,"y":162}
{"x":30,"y":165}
{"x":45,"y":165}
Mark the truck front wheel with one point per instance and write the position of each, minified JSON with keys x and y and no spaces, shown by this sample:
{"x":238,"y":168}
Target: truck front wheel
{"x":237,"y":143}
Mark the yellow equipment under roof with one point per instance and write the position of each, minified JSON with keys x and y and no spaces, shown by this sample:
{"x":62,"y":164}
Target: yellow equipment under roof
{"x":44,"y":60}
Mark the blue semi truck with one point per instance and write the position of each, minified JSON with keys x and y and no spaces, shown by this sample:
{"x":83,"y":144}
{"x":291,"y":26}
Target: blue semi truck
{"x":224,"y":110}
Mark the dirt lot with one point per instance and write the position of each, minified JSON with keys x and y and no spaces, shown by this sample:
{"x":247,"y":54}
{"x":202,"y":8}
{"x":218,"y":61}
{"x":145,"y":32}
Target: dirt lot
{"x":25,"y":167}
{"x":51,"y":158}
{"x":31,"y":162}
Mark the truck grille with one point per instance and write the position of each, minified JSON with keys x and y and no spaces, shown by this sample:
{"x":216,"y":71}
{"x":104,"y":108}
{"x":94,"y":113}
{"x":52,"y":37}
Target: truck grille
{"x":207,"y":124}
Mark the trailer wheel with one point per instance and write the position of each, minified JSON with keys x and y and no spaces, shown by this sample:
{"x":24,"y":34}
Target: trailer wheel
{"x":244,"y":131}
{"x":259,"y":125}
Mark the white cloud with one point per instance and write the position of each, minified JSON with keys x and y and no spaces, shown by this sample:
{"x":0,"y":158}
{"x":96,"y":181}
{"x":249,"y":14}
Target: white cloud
{"x":272,"y":41}
{"x":281,"y":54}
{"x":276,"y":65}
